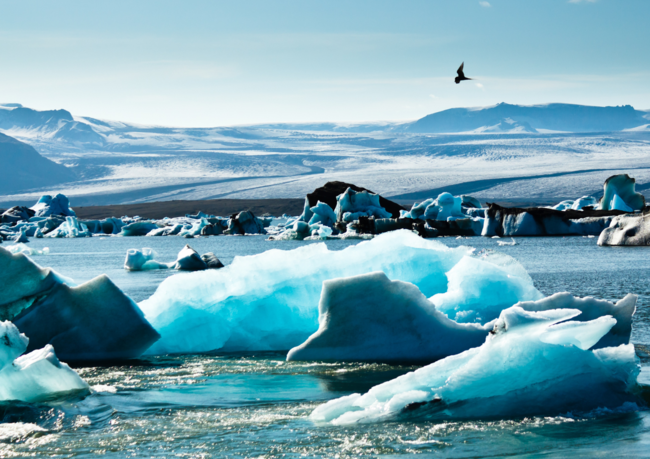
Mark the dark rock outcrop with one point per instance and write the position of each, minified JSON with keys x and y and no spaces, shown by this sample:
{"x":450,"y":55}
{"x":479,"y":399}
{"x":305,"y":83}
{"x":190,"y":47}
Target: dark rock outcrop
{"x":328,"y":193}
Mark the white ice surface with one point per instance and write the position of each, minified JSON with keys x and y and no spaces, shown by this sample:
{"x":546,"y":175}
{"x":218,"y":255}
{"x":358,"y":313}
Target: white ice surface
{"x":143,"y":164}
{"x":36,"y":376}
{"x":528,"y":366}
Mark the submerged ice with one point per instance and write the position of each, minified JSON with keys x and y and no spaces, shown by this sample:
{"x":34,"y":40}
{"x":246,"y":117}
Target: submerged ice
{"x":532,"y":363}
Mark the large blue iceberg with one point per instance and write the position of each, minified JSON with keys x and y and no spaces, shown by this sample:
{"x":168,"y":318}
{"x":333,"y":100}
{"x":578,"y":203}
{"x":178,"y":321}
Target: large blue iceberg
{"x":270,"y":301}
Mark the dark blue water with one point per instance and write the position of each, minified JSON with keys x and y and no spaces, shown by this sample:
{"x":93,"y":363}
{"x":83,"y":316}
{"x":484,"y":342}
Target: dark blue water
{"x":257,"y":404}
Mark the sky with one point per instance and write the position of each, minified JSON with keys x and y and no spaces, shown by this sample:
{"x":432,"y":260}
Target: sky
{"x":216,"y":63}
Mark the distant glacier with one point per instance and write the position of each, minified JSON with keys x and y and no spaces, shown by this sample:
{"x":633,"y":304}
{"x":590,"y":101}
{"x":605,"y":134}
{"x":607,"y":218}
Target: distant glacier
{"x":504,"y":152}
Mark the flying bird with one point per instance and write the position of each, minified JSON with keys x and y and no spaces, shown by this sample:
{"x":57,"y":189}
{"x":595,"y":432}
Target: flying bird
{"x":461,"y":76}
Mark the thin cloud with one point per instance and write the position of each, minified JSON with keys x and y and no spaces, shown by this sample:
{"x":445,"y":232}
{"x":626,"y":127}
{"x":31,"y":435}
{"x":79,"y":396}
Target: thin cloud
{"x":432,"y":96}
{"x":485,"y":4}
{"x":479,"y":85}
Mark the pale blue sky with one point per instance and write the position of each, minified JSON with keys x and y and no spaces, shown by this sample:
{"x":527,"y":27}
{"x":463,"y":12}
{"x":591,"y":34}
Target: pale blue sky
{"x":212,"y":63}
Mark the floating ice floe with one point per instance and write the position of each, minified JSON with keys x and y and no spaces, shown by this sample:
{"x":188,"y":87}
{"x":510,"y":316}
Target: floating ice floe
{"x":21,"y":237}
{"x":92,"y":321}
{"x":142,"y":260}
{"x":542,"y":221}
{"x":445,"y":206}
{"x":187,"y":260}
{"x":70,"y":228}
{"x":532,"y":363}
{"x":619,"y":194}
{"x":57,"y":205}
{"x":370,"y":318}
{"x":110,"y":225}
{"x":578,"y":204}
{"x":627,"y":230}
{"x":22,"y":248}
{"x":323,"y":214}
{"x":353,"y":204}
{"x":246,"y":223}
{"x":34,"y":377}
{"x":269,"y":301}
{"x":139,"y":228}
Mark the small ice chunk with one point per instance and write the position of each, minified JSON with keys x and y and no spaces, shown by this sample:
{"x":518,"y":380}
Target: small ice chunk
{"x":36,"y":376}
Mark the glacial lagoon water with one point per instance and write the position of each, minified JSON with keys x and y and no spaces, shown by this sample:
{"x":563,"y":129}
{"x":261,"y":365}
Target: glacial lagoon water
{"x":256,"y":404}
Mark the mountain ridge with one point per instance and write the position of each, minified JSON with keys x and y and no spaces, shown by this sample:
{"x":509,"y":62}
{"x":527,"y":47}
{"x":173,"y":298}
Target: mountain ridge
{"x":24,"y":168}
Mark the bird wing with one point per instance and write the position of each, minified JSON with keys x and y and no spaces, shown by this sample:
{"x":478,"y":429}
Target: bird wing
{"x":460,"y":70}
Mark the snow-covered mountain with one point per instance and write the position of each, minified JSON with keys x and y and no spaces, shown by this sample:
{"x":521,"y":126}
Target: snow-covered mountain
{"x":57,"y":125}
{"x":548,"y":117}
{"x":494,"y":153}
{"x":22,"y":167}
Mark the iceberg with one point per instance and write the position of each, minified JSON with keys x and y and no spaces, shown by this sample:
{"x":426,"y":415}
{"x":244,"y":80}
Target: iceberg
{"x":270,"y":301}
{"x":542,"y":221}
{"x":323,"y":214}
{"x":212,"y":229}
{"x":532,"y":363}
{"x":371,"y":318}
{"x":21,"y":237}
{"x":627,"y":230}
{"x":619,"y":194}
{"x":353,"y":204}
{"x":211,"y":261}
{"x":142,"y":260}
{"x":35,"y":377}
{"x":585,"y":201}
{"x":481,"y":287}
{"x":187,"y":260}
{"x":110,"y":225}
{"x":16,"y":214}
{"x":57,"y":205}
{"x":22,"y":248}
{"x":196,"y":228}
{"x":329,"y":193}
{"x":138,"y":228}
{"x":417,"y":210}
{"x":92,"y":321}
{"x":445,"y":206}
{"x":590,"y":309}
{"x":70,"y":228}
{"x":245,"y":223}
